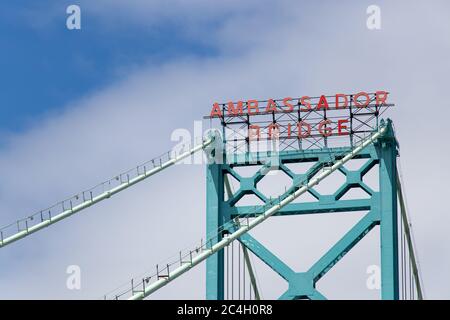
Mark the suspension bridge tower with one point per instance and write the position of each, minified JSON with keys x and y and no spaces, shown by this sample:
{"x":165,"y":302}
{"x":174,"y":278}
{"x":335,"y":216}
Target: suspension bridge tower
{"x":272,"y":134}
{"x":326,"y":132}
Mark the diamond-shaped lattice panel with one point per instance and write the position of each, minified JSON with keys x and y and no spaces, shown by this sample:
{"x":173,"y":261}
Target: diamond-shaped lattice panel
{"x":274,"y":183}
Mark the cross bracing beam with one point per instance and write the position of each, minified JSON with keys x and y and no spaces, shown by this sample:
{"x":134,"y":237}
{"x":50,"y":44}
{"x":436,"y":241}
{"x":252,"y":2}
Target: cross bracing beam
{"x":343,"y":246}
{"x":251,"y":273}
{"x":244,"y":248}
{"x":302,"y":284}
{"x":43,"y":219}
{"x":308,"y":208}
{"x":268,"y":257}
{"x":239,"y":232}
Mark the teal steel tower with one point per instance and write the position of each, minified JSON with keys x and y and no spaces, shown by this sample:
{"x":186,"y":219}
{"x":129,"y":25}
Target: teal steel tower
{"x":381,"y":207}
{"x":327,"y":135}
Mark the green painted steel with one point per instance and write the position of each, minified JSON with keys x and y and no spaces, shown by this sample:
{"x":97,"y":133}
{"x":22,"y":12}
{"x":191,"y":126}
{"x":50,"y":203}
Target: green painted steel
{"x":387,"y":150}
{"x":215,"y":264}
{"x":235,"y":232}
{"x":381,"y":207}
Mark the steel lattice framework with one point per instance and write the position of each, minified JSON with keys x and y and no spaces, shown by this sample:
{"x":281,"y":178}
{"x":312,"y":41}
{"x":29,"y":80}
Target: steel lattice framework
{"x":381,"y":206}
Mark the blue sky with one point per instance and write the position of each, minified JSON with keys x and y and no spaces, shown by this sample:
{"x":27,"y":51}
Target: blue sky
{"x":45,"y":66}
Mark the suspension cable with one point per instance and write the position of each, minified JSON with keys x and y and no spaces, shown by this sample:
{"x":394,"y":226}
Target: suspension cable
{"x":414,"y":272}
{"x":272,"y":209}
{"x":64,"y":209}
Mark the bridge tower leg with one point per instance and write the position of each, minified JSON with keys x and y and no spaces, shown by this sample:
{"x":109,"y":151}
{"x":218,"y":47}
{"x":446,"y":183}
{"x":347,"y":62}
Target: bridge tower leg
{"x":214,"y":219}
{"x":387,"y":149}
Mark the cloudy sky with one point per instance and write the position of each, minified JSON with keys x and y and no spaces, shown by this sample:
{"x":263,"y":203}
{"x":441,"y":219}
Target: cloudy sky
{"x":79,"y":106}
